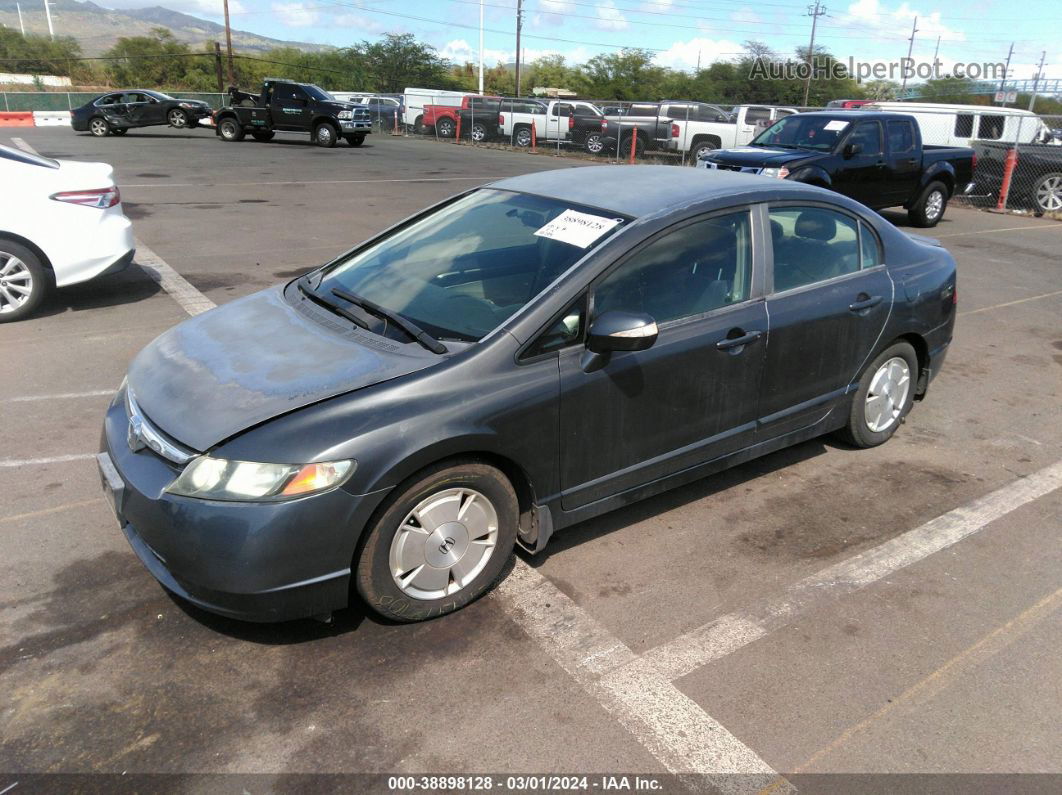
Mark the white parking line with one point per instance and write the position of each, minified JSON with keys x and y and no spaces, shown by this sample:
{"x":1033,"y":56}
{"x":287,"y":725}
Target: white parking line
{"x":725,"y":635}
{"x":58,"y":459}
{"x":1010,"y":303}
{"x":180,"y":289}
{"x":674,"y":728}
{"x":58,"y":396}
{"x":25,"y":147}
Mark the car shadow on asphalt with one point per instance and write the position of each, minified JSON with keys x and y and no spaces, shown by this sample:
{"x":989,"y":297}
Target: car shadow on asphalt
{"x":126,"y":287}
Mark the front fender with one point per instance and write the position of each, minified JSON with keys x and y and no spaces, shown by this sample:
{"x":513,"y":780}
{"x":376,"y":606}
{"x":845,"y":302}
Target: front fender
{"x":811,"y":174}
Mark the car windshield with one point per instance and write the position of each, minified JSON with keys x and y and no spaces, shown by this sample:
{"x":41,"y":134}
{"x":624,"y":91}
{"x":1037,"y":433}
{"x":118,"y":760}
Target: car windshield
{"x":467,"y":267}
{"x":159,"y":95}
{"x":803,"y":132}
{"x":318,"y":93}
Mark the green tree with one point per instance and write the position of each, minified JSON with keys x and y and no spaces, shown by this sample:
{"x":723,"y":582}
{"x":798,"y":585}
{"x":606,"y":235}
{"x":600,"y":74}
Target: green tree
{"x":400,"y":61}
{"x":32,"y":54}
{"x":626,"y":75}
{"x":158,"y":60}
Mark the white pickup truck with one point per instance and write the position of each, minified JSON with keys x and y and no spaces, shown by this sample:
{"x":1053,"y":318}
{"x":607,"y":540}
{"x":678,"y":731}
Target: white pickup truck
{"x":746,"y":122}
{"x":553,"y":121}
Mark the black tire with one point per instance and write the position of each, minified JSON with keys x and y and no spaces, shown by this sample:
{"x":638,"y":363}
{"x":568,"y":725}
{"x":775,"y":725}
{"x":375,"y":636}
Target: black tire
{"x":479,"y":132}
{"x":522,"y":135}
{"x":926,"y":212}
{"x":263,"y":136}
{"x":445,"y":128}
{"x":119,"y":130}
{"x":325,"y":135}
{"x":625,"y":147}
{"x":858,"y":432}
{"x":39,"y":278}
{"x":178,"y":118}
{"x":418,"y":126}
{"x":373,"y":578}
{"x":700,"y":148}
{"x":99,"y":126}
{"x":355,"y":140}
{"x":595,"y":144}
{"x":229,"y":129}
{"x":1047,"y":193}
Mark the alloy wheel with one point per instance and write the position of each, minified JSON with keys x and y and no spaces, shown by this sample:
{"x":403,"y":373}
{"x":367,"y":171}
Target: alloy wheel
{"x":1049,"y":194}
{"x":443,"y":543}
{"x":594,"y":145}
{"x":324,"y":135}
{"x":98,"y":127}
{"x":479,"y":133}
{"x":523,"y":137}
{"x":887,"y":395}
{"x":16,"y":283}
{"x":178,"y":119}
{"x":934,"y":205}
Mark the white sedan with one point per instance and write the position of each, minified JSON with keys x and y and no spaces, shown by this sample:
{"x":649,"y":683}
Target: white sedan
{"x":61,"y":223}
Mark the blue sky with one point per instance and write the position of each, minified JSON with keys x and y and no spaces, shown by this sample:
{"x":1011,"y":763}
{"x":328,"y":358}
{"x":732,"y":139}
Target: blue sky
{"x":679,"y":30}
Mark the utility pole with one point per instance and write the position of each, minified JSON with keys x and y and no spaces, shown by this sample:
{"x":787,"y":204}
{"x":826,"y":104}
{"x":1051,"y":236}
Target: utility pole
{"x":1036,"y":80}
{"x":814,"y":12}
{"x":519,"y":25}
{"x":481,"y":47}
{"x":1006,"y":72}
{"x":217,"y":67}
{"x":910,"y":49}
{"x":228,"y":44}
{"x":936,"y":52}
{"x":48,"y":13}
{"x":20,"y":25}
{"x":698,"y":61}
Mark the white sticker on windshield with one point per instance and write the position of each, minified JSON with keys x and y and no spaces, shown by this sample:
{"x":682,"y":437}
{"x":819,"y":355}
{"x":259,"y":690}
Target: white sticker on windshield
{"x":577,"y":229}
{"x":836,"y":124}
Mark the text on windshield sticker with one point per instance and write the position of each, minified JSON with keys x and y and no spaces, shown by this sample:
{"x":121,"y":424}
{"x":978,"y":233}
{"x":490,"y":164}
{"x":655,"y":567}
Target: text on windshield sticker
{"x":836,"y":124}
{"x":576,"y":228}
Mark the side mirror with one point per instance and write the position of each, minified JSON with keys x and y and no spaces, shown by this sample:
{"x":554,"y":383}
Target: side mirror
{"x":621,"y":331}
{"x":851,"y":150}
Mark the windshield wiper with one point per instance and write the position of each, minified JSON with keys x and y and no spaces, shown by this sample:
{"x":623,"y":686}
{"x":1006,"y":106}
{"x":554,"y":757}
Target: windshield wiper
{"x":339,"y":309}
{"x":412,"y":329}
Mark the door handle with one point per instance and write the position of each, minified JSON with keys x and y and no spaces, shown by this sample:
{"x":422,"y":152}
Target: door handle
{"x":865,"y":302}
{"x":737,"y":342}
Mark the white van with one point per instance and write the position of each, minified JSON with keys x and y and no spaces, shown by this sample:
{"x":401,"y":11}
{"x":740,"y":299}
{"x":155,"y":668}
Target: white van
{"x":958,"y":125}
{"x":417,"y":98}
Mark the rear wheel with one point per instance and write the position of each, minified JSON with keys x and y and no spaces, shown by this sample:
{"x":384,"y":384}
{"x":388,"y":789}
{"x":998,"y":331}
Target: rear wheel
{"x":440,"y":543}
{"x":263,"y":135}
{"x":99,"y":127}
{"x":479,"y":132}
{"x":1047,"y":193}
{"x":701,"y":148}
{"x":230,"y":130}
{"x":24,"y":281}
{"x":595,"y":143}
{"x":325,"y":135}
{"x":446,"y":128}
{"x":929,"y":208}
{"x":355,"y":140}
{"x":177,"y":118}
{"x":885,"y":396}
{"x":522,"y":136}
{"x":418,"y":126}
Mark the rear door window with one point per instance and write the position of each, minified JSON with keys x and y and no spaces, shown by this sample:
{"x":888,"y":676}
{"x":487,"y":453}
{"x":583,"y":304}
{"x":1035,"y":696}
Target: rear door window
{"x":964,"y":125}
{"x":990,"y":127}
{"x":812,"y":244}
{"x":901,"y":137}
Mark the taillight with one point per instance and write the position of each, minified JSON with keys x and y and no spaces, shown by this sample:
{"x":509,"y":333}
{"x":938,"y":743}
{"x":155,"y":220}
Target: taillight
{"x":501,"y":119}
{"x":604,"y":125}
{"x":974,"y":160}
{"x":101,"y":198}
{"x":674,"y":130}
{"x":571,"y":122}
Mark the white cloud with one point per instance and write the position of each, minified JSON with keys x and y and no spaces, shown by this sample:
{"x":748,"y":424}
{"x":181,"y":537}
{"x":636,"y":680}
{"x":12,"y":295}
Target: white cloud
{"x":872,"y":14}
{"x":296,"y":15}
{"x":609,"y":17}
{"x":460,"y":50}
{"x":746,"y":17}
{"x":685,"y":54}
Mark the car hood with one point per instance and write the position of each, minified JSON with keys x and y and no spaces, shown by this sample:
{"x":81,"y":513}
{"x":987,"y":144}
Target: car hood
{"x":256,"y":358}
{"x":337,"y":106}
{"x":762,"y":156}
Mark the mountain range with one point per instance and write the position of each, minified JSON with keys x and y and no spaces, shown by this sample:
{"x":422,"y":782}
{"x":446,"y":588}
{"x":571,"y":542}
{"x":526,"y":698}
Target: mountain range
{"x":98,"y":28}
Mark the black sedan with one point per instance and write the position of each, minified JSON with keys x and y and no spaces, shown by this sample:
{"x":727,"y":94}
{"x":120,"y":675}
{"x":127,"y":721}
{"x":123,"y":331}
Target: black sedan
{"x":120,"y":111}
{"x":507,"y":363}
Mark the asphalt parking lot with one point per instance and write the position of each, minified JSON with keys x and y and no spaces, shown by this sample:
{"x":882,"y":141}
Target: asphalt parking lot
{"x":820,"y":610}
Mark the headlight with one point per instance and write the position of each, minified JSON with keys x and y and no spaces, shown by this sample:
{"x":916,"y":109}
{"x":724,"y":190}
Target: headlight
{"x":186,"y":105}
{"x":345,"y":114}
{"x":218,"y":479}
{"x":780,"y":173}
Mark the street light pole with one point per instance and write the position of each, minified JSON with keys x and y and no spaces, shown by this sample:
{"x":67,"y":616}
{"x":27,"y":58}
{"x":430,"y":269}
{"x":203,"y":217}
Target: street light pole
{"x":481,"y":47}
{"x":228,"y":44}
{"x":20,"y":25}
{"x":519,"y":24}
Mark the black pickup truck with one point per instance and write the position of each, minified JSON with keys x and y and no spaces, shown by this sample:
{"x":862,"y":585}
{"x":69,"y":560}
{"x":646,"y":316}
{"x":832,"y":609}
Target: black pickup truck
{"x":1037,"y":180}
{"x":876,"y":158}
{"x":287,"y":106}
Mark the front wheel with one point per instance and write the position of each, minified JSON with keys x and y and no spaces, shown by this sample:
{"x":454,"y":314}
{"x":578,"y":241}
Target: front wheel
{"x":230,"y":130}
{"x":701,"y":148}
{"x":324,"y":135}
{"x":23,"y":281}
{"x":479,"y":132}
{"x":440,"y":543}
{"x":99,"y":127}
{"x":625,"y":147}
{"x":1047,"y":193}
{"x":522,"y":136}
{"x":929,"y":208}
{"x":445,"y":128}
{"x":177,"y":118}
{"x":355,"y":140}
{"x":885,"y":396}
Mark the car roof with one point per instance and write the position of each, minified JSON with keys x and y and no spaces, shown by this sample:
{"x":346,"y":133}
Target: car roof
{"x":641,"y":191}
{"x":854,"y":114}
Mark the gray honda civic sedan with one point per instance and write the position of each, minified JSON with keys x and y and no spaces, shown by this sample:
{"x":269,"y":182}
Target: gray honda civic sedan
{"x":514,"y":360}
